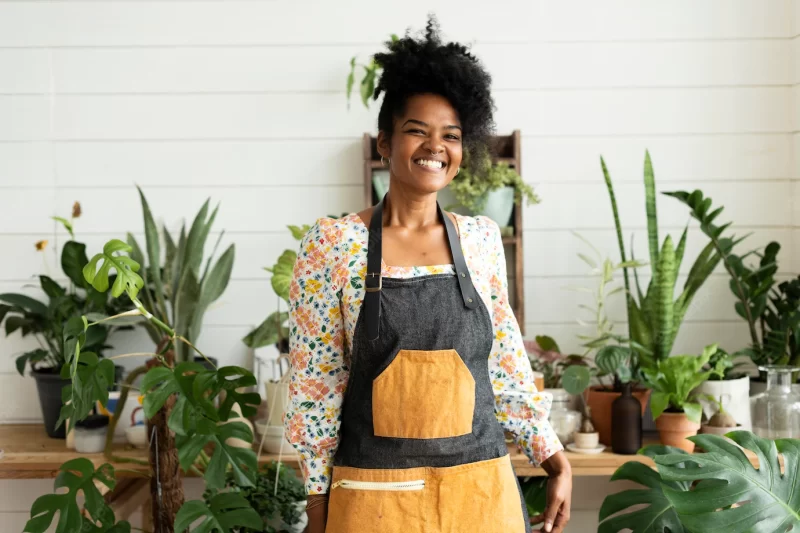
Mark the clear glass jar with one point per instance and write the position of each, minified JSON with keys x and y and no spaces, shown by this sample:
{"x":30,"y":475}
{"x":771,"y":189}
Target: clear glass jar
{"x":776,"y":411}
{"x":564,"y":420}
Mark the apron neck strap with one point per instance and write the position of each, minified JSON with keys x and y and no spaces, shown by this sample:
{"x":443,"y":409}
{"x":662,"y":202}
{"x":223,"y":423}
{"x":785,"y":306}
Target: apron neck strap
{"x":374,"y":284}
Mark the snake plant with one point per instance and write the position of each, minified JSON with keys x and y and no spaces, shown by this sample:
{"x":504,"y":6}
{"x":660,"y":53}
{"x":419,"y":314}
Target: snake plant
{"x":177,"y":290}
{"x":654,"y":315}
{"x":712,"y":492}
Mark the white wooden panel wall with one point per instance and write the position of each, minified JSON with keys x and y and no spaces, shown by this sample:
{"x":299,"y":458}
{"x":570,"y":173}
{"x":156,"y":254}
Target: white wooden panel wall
{"x":243,"y":102}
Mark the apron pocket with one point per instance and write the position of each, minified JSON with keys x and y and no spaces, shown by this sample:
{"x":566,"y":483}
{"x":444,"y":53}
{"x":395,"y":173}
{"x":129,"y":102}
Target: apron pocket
{"x":423,"y":394}
{"x":363,"y":501}
{"x":480,"y":497}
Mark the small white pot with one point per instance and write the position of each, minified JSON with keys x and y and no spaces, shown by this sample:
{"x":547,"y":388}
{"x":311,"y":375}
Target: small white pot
{"x":735,"y":397}
{"x":586,"y":441}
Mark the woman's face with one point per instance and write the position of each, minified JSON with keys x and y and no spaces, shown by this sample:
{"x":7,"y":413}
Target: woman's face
{"x":425,"y":148}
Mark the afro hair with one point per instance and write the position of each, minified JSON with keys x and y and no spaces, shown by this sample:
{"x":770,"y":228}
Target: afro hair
{"x":426,"y":65}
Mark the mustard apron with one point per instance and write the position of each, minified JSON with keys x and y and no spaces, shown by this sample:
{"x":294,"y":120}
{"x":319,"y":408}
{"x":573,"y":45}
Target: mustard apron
{"x":420,"y":449}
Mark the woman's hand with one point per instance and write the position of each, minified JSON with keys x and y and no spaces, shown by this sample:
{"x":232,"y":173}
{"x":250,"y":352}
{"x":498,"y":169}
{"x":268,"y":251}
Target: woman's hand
{"x":559,"y":494}
{"x":317,"y":512}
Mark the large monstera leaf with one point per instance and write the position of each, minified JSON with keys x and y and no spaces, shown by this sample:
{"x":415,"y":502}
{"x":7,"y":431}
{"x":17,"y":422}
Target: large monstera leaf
{"x":731,"y":495}
{"x":77,"y":475}
{"x":227,"y":511}
{"x":659,"y":515}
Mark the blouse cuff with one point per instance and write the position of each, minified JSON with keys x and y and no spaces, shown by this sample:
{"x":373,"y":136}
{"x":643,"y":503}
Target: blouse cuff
{"x":317,"y":473}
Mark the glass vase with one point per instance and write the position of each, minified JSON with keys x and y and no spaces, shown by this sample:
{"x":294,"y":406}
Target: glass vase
{"x":775,"y":412}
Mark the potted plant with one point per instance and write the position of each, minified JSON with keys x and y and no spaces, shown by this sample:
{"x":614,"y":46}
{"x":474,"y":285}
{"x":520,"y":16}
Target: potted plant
{"x":674,"y":381}
{"x":654,"y":315}
{"x":770,"y":308}
{"x":732,"y":387}
{"x":586,"y":437}
{"x":489,"y":189}
{"x":615,"y":360}
{"x":712,"y":491}
{"x":45,"y":321}
{"x":281,"y":507}
{"x":720,"y":422}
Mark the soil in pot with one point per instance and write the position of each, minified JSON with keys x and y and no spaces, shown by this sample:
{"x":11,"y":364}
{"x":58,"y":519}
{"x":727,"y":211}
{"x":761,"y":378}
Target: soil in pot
{"x":600,"y":401}
{"x":49,"y":384}
{"x":674,"y":427}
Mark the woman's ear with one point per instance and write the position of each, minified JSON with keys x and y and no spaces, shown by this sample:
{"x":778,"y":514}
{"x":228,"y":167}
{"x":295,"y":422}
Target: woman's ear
{"x":384,"y":146}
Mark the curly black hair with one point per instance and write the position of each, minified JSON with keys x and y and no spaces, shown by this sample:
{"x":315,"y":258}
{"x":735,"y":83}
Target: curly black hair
{"x":426,"y":65}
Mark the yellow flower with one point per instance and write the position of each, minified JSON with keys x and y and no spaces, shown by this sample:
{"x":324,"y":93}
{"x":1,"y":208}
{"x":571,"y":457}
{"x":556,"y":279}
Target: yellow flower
{"x":502,"y":416}
{"x":313,"y":286}
{"x":326,"y":338}
{"x":355,"y":248}
{"x":335,"y":313}
{"x":500,"y":335}
{"x":325,"y":368}
{"x":41,"y":245}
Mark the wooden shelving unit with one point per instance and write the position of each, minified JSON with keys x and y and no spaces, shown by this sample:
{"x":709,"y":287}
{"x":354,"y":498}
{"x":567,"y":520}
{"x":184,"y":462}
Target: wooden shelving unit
{"x":506,"y":148}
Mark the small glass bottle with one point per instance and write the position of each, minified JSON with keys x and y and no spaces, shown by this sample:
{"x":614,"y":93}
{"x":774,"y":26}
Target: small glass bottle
{"x":626,"y":423}
{"x":776,"y":411}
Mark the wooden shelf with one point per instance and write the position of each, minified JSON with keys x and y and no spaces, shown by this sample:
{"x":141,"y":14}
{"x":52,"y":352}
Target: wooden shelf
{"x":506,"y":149}
{"x":30,"y":454}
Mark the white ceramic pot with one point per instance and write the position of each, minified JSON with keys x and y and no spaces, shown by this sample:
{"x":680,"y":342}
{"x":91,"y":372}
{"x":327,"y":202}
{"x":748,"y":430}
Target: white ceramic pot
{"x":587,"y":441}
{"x":734,"y":395}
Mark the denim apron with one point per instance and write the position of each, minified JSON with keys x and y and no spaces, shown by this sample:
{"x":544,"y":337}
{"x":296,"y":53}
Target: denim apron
{"x":420,"y":449}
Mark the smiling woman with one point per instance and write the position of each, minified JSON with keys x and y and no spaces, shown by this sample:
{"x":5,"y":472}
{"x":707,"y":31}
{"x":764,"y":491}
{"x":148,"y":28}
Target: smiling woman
{"x":407,"y":360}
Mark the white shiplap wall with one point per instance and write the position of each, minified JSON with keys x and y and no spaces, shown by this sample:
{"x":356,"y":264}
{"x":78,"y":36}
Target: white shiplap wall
{"x":243,"y":102}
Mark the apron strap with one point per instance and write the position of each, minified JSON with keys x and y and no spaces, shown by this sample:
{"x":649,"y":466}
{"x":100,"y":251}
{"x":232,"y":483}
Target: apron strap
{"x":374,"y":284}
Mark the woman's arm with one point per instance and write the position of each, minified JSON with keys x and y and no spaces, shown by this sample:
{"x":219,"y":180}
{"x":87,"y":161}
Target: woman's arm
{"x":519,"y":407}
{"x":318,"y":372}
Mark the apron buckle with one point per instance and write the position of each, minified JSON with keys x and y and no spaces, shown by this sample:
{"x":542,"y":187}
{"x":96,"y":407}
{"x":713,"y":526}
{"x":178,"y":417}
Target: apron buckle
{"x":373,"y":288}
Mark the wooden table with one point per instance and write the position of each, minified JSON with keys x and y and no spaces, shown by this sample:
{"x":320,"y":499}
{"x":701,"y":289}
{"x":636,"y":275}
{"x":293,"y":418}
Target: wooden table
{"x":30,"y":454}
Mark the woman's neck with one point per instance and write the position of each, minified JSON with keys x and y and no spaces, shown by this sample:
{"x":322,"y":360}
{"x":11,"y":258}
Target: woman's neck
{"x":410,"y":211}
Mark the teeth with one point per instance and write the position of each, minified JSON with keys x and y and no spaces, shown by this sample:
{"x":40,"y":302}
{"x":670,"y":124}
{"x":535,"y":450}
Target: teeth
{"x":430,"y":164}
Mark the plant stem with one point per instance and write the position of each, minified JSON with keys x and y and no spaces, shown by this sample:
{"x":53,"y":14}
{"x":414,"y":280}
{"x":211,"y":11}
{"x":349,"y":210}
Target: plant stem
{"x":134,"y":354}
{"x":132,"y":312}
{"x":183,"y":339}
{"x":123,"y":397}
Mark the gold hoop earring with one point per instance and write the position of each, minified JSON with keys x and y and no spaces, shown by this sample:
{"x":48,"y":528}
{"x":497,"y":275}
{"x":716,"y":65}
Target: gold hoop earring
{"x":387,"y":162}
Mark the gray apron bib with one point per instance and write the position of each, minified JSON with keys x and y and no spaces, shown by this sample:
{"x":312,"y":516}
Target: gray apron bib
{"x":420,"y":449}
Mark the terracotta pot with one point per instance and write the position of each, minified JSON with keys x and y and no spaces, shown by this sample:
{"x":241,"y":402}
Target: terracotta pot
{"x":673,"y":428}
{"x":600,"y":400}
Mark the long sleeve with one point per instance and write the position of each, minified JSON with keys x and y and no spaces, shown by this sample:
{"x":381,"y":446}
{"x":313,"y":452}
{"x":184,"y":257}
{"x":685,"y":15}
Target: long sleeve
{"x":318,"y":370}
{"x":519,"y":407}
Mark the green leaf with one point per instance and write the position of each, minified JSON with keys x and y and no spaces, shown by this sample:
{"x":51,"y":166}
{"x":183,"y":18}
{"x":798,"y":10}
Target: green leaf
{"x":575,"y":379}
{"x":158,"y":385}
{"x":51,"y":288}
{"x":650,"y":209}
{"x":213,"y":287}
{"x":694,"y":411}
{"x":31,"y":357}
{"x":243,"y":461}
{"x":770,"y":501}
{"x":67,"y":225}
{"x":153,"y":251}
{"x":547,"y":344}
{"x":187,"y":299}
{"x":657,"y":515}
{"x":282,"y":273}
{"x":73,"y":259}
{"x":27,"y":303}
{"x":91,"y":379}
{"x":267,"y":332}
{"x":226,"y":511}
{"x":196,"y":241}
{"x":127,"y":278}
{"x":610,"y":359}
{"x":77,"y":475}
{"x":534,"y":491}
{"x":230,"y":379}
{"x":659,"y":401}
{"x":298,"y":232}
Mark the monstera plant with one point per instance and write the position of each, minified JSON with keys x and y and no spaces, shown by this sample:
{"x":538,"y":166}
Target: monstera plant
{"x":191,"y":408}
{"x":714,"y":491}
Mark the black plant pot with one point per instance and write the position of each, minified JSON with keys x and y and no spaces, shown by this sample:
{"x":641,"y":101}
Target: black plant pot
{"x":200,"y":359}
{"x":49,"y":384}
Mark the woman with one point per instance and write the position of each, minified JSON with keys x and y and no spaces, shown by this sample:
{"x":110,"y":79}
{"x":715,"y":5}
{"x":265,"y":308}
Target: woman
{"x":407,"y":361}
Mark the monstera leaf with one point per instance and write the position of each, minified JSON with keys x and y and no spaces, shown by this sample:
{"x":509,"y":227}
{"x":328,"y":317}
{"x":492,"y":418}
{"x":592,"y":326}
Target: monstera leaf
{"x":227,"y":511}
{"x":127,"y":277}
{"x":282,"y":273}
{"x":658,"y":515}
{"x":731,"y":495}
{"x":77,"y":475}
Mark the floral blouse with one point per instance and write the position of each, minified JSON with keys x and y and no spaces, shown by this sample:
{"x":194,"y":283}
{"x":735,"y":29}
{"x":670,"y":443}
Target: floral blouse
{"x":325,"y":297}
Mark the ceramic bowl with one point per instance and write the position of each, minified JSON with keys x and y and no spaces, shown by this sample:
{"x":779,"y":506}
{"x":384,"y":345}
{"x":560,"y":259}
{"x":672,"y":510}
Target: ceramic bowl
{"x":586,"y":440}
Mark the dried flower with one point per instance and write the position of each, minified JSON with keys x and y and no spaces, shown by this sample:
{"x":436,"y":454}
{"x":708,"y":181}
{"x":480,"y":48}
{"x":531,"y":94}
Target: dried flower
{"x":41,"y":245}
{"x":76,"y":210}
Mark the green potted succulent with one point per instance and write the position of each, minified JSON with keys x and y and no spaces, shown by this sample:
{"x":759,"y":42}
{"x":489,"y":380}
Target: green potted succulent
{"x":674,"y":404}
{"x":45,"y":321}
{"x":281,"y":508}
{"x":718,"y":490}
{"x":489,"y":189}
